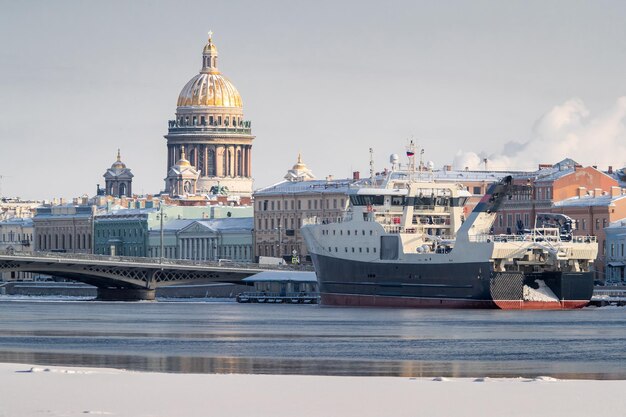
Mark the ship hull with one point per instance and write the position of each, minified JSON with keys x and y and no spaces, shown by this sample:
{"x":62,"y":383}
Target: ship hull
{"x":454,"y":285}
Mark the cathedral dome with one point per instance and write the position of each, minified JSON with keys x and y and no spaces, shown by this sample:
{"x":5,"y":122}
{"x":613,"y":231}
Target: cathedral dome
{"x":210,"y":87}
{"x":209,"y":90}
{"x":118,"y":164}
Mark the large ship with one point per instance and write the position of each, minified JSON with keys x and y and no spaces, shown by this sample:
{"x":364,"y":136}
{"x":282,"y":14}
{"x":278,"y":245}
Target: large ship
{"x":406,"y":243}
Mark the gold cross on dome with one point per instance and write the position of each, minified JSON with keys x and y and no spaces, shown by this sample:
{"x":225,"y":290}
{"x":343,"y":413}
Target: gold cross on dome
{"x":210,"y":34}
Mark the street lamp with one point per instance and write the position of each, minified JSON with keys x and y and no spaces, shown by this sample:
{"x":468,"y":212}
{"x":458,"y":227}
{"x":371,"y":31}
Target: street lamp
{"x":161,"y":216}
{"x":280,"y":240}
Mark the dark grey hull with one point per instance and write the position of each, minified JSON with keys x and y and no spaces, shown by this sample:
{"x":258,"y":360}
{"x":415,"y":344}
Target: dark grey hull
{"x":462,"y":285}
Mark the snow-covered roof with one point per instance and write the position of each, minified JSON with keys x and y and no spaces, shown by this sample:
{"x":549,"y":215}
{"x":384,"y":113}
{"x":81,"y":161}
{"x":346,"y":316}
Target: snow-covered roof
{"x":231,"y":223}
{"x":125,"y":213}
{"x":589,"y":201}
{"x":284,"y":276}
{"x":222,"y":225}
{"x":464,"y":176}
{"x":306,"y":187}
{"x":17,"y":221}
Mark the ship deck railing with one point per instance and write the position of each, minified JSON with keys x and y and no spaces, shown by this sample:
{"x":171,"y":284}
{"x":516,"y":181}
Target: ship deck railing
{"x":530,"y":237}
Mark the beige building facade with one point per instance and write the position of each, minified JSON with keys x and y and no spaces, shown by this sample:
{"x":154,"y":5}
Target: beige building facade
{"x":16,"y":235}
{"x":65,"y":228}
{"x":279,"y":211}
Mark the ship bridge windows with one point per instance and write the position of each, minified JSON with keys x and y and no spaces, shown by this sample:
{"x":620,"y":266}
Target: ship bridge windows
{"x":367,"y":200}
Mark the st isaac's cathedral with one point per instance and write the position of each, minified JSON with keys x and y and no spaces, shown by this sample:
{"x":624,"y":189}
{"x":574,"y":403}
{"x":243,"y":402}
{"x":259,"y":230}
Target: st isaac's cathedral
{"x":209,"y":135}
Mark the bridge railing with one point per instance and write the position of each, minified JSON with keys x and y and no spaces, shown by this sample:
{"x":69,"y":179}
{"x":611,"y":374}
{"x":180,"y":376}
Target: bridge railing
{"x":157,"y":261}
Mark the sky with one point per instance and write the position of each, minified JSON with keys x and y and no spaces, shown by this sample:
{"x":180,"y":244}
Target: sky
{"x":516,"y":82}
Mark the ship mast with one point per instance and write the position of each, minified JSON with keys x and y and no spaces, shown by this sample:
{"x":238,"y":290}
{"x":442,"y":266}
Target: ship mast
{"x":410,"y":153}
{"x":372,"y":167}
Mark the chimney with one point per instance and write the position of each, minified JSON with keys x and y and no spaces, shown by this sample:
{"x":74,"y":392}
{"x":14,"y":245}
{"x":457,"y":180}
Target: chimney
{"x":595,"y":166}
{"x":447,"y":167}
{"x":597,"y":192}
{"x":616,"y":191}
{"x":582,"y":191}
{"x":610,"y":169}
{"x":356,"y":175}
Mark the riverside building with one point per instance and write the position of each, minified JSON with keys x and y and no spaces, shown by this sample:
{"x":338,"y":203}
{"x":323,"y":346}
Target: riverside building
{"x":209,"y":138}
{"x":281,"y":208}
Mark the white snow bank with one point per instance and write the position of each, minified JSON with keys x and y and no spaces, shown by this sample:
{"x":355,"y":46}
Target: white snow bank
{"x":27,"y":390}
{"x":543,"y":293}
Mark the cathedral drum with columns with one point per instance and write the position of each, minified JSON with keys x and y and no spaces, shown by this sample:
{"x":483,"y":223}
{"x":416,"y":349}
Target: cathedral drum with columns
{"x":211,"y":133}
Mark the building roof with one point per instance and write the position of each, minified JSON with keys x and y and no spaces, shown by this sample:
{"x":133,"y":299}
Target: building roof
{"x":227,"y":224}
{"x":306,"y":187}
{"x":282,"y":276}
{"x":17,"y":221}
{"x":589,"y":201}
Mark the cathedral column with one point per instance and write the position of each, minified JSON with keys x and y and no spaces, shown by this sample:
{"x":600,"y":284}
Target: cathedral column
{"x":219,"y":159}
{"x":205,"y":152}
{"x":249,"y":161}
{"x":233,"y":158}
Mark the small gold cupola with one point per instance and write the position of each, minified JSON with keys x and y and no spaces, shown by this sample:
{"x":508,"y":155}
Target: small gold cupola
{"x":209,"y":57}
{"x":118,"y":164}
{"x":183,"y":162}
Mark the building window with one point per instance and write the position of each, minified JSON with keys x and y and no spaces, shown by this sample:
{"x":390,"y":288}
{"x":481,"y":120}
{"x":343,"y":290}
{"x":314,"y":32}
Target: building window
{"x":278,"y":203}
{"x":500,"y":220}
{"x":334,"y":203}
{"x":509,"y":220}
{"x":299,"y":205}
{"x":597,"y":224}
{"x":584,"y":224}
{"x":476,"y":190}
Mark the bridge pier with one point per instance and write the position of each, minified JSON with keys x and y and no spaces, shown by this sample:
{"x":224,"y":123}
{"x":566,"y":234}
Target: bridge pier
{"x":125,"y":294}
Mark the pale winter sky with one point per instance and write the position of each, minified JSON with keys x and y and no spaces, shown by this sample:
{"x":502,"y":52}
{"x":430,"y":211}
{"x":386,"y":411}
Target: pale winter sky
{"x":520,"y":82}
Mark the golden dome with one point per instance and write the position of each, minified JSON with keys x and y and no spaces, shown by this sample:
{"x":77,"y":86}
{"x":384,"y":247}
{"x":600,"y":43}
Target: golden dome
{"x":299,"y":164}
{"x":210,"y":87}
{"x":183,"y":162}
{"x":209,"y":90}
{"x":118,"y":164}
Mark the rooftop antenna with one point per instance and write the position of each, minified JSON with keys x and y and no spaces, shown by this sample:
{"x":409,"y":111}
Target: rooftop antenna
{"x":371,"y":166}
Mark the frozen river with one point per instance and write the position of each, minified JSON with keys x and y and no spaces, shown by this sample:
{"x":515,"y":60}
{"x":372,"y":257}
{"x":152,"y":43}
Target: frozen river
{"x":225,"y":337}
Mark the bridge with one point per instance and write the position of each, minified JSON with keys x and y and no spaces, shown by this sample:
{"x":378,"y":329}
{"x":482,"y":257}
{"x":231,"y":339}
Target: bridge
{"x":131,"y":278}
